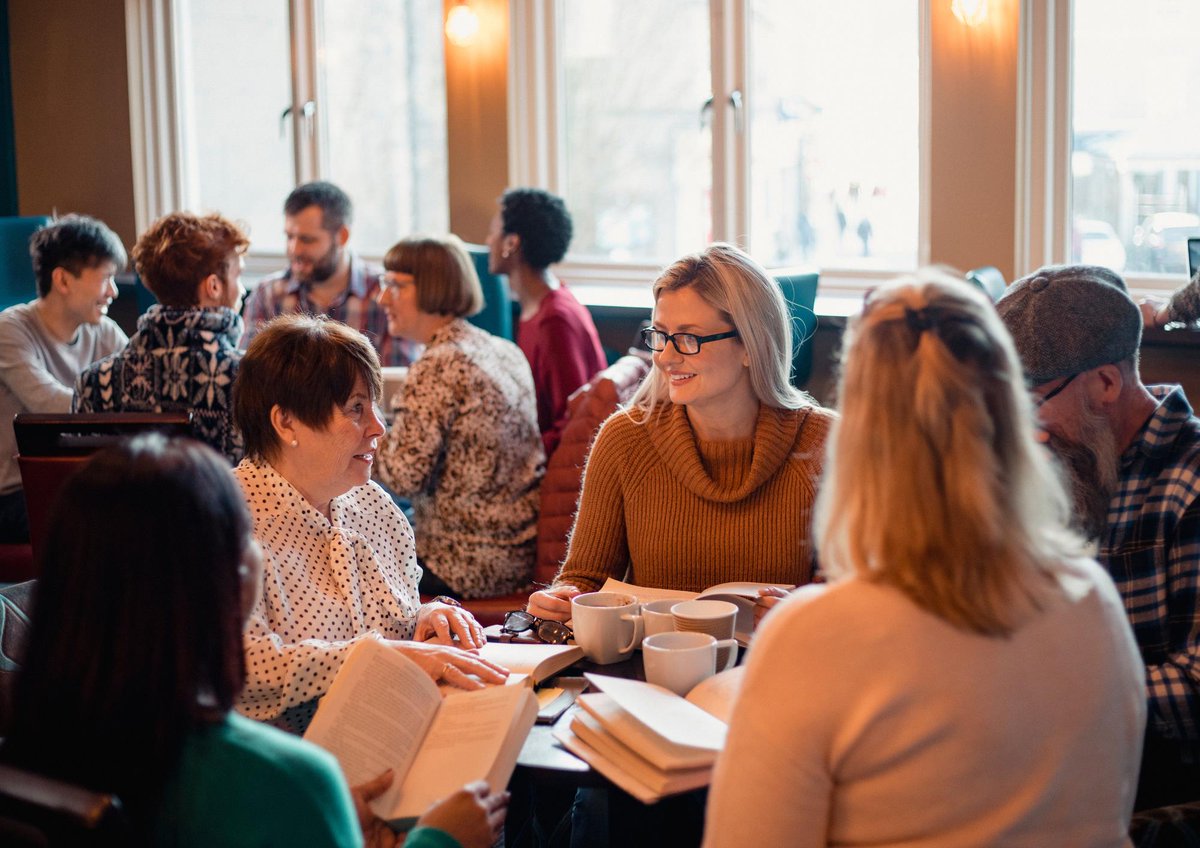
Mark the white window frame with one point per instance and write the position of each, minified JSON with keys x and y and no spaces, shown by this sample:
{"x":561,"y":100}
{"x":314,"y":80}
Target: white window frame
{"x":1044,"y":140}
{"x":534,"y":140}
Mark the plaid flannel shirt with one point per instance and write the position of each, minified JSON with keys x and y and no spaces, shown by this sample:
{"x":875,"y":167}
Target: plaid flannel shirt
{"x":279,"y":294}
{"x":1151,"y":547}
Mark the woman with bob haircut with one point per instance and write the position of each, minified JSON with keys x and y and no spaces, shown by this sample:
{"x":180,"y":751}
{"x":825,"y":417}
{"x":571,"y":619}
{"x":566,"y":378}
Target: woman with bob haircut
{"x":464,"y":443}
{"x":340,"y":559}
{"x":967,"y":677}
{"x":710,"y":475}
{"x":153,"y":569}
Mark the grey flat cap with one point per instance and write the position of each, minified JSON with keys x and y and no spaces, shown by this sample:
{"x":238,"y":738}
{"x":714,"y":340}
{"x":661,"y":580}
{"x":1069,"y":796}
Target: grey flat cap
{"x":1066,"y":319}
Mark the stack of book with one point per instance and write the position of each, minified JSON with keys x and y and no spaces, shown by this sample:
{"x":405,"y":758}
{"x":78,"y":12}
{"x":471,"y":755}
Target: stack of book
{"x":648,"y":740}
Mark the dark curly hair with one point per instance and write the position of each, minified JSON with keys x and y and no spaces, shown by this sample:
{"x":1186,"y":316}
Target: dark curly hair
{"x":541,"y":220}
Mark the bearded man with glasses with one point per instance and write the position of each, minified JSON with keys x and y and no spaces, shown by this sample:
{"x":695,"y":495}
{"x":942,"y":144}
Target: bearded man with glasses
{"x":1132,"y":456}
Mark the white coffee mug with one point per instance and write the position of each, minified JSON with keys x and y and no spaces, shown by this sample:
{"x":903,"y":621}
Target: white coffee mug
{"x":657,"y":617}
{"x":679,"y":661}
{"x":607,"y":625}
{"x":716,"y":618}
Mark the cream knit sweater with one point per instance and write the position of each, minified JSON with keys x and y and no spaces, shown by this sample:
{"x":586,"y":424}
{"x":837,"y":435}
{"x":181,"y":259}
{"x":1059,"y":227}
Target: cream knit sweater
{"x":663,"y":509}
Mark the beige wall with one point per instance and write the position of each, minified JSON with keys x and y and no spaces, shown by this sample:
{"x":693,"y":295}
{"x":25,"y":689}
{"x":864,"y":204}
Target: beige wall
{"x":973,"y":129}
{"x":71,"y":110}
{"x":477,"y":115}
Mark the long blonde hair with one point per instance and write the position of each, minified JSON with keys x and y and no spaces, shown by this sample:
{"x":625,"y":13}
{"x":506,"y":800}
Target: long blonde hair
{"x":748,"y":298}
{"x":934,"y":483}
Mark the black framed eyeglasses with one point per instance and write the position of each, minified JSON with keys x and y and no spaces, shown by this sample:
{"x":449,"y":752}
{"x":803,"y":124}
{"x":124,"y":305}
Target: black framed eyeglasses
{"x":687,"y":344}
{"x":550,"y":632}
{"x":1038,"y":400}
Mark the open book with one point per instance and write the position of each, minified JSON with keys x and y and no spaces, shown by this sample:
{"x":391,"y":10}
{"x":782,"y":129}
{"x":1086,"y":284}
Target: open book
{"x":383,"y":711}
{"x":531,"y":664}
{"x":646,"y":739}
{"x":741,"y":594}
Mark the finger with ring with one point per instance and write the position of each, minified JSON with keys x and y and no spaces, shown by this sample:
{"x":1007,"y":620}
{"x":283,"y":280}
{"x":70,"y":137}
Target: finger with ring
{"x":446,"y":669}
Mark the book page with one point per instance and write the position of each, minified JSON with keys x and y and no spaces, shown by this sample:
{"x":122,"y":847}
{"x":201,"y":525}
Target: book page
{"x":646,"y":594}
{"x":743,"y":588}
{"x":464,"y":744}
{"x":376,"y":712}
{"x":664,"y":712}
{"x":592,"y":732}
{"x":539,"y":661}
{"x":717,"y":694}
{"x":635,"y":736}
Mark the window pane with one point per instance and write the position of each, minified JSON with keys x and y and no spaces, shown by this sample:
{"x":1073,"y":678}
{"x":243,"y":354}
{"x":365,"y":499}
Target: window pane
{"x":637,"y":163}
{"x":833,"y":147}
{"x":384,"y":103}
{"x":235,"y":83}
{"x":1135,"y":162}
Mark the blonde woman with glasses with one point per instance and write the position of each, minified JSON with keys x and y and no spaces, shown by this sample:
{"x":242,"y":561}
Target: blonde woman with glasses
{"x":711,"y":474}
{"x":967,"y":677}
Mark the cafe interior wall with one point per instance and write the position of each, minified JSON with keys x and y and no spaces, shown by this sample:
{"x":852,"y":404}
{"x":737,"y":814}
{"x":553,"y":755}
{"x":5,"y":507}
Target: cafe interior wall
{"x":71,"y":117}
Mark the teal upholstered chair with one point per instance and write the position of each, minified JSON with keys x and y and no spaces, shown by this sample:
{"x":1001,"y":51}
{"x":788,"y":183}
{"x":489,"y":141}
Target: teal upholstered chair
{"x":988,"y":280}
{"x":800,"y":291}
{"x":17,"y":283}
{"x":497,"y":314}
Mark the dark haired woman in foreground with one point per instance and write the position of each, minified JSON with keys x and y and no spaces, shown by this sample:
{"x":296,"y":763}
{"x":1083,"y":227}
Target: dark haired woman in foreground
{"x":967,"y":677}
{"x":135,"y":660}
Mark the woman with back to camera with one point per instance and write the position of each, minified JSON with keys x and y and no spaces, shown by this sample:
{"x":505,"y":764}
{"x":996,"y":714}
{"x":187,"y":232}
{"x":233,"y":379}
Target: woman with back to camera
{"x":464,"y":441}
{"x":153,"y":567}
{"x":340,"y":560}
{"x":530,"y":232}
{"x":711,"y":473}
{"x":967,"y":677}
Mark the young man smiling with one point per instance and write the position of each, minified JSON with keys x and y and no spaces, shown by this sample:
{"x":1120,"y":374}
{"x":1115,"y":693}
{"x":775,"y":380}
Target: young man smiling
{"x":45,"y":343}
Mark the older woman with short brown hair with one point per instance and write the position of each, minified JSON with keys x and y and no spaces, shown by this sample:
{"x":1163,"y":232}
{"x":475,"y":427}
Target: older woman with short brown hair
{"x":464,"y":443}
{"x":339,"y":557}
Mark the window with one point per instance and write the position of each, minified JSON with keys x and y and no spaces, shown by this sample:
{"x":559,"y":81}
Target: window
{"x":771,"y":123}
{"x":243,"y":101}
{"x":1135,"y":158}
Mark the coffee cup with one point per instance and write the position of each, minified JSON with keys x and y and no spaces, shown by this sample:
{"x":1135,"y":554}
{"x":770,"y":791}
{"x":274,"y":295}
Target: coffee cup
{"x":657,"y":617}
{"x":716,"y":618}
{"x":607,"y":625}
{"x":679,"y":661}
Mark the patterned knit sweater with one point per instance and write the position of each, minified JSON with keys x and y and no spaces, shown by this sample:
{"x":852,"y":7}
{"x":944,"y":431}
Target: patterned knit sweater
{"x":179,"y":360}
{"x":663,"y":509}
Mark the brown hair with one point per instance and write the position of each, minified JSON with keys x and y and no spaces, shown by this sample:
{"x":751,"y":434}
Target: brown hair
{"x":442,"y":271}
{"x":306,"y":365}
{"x":181,"y":249}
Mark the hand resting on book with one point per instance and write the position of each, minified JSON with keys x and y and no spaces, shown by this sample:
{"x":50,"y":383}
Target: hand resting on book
{"x":456,"y":667}
{"x":438,"y":622}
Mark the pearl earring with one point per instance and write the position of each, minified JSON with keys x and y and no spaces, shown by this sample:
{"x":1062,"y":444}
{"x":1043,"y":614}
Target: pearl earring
{"x":295,"y":443}
{"x":504,"y":254}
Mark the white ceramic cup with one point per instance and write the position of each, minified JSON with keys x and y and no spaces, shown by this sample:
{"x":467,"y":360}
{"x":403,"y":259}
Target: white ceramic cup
{"x":607,"y":625}
{"x":679,"y":661}
{"x":657,"y":617}
{"x":716,"y":618}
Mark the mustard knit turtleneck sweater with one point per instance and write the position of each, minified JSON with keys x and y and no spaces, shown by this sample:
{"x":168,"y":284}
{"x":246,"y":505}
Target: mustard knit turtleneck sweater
{"x":662,"y":509}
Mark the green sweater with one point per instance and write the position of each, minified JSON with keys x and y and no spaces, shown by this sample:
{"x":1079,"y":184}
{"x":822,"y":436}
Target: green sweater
{"x":241,"y":783}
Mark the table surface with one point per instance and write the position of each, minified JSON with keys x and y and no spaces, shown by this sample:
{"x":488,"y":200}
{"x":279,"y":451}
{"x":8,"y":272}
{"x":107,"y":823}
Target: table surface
{"x":543,"y":758}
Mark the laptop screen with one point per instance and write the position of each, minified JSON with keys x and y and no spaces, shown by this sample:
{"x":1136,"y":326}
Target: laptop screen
{"x":1193,"y":257}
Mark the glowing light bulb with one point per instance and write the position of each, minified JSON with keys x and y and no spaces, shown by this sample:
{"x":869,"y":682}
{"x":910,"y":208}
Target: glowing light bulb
{"x":462,"y":25}
{"x":970,"y":12}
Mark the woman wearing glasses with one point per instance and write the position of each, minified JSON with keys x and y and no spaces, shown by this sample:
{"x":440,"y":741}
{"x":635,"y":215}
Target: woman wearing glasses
{"x":978,"y":683}
{"x":464,"y":442}
{"x":710,"y":475}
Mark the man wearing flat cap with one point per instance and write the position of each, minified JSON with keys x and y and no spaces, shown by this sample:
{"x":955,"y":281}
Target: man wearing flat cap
{"x":1132,"y":455}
